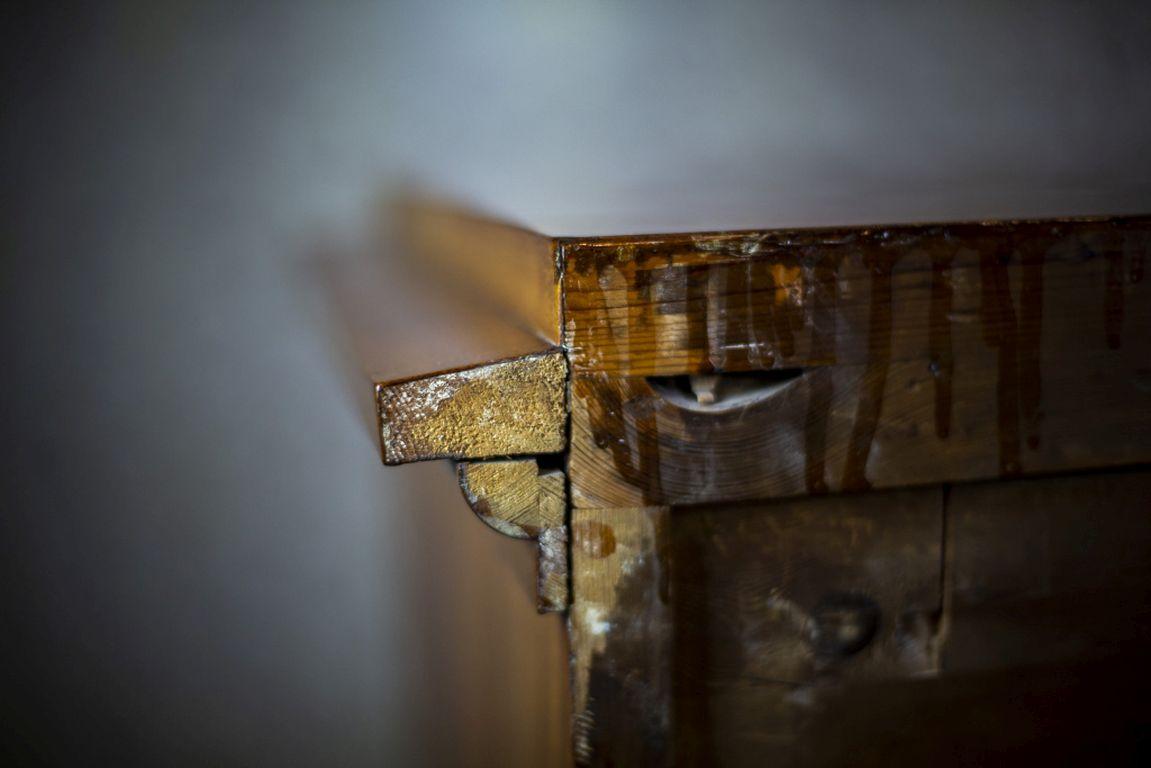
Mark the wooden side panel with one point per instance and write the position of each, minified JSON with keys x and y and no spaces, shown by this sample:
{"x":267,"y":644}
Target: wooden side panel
{"x":706,"y":634}
{"x":1049,"y":571}
{"x":1042,"y":654}
{"x":511,"y":269}
{"x":983,"y":623}
{"x":777,"y":605}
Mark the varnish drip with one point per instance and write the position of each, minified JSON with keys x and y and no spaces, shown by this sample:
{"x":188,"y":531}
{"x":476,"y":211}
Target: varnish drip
{"x":821,"y":388}
{"x":942,"y":362}
{"x":642,"y":281}
{"x":611,"y":405}
{"x":737,"y":297}
{"x":787,"y":316}
{"x":697,"y":315}
{"x":867,"y":412}
{"x":1000,"y":332}
{"x":1113,"y":303}
{"x":1135,"y":245}
{"x":1030,"y":336}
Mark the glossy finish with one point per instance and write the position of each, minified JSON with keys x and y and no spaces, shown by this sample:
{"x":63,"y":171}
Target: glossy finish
{"x":919,"y":354}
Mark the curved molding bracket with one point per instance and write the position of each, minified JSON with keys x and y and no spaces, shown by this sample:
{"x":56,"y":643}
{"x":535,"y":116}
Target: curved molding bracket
{"x":516,"y":499}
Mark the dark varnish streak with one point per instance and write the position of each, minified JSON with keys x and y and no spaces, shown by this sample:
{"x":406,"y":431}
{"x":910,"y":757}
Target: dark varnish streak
{"x":942,"y":363}
{"x":824,"y":301}
{"x":880,"y":263}
{"x":1030,"y":335}
{"x":1113,"y":301}
{"x":1000,"y":332}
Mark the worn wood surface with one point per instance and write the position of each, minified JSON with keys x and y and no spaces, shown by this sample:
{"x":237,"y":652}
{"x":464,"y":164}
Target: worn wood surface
{"x":517,"y":499}
{"x":552,"y":574}
{"x":1043,"y":641}
{"x":621,"y":633}
{"x":776,"y":603}
{"x":778,"y":621}
{"x":632,"y":443}
{"x":921,"y":368}
{"x":667,"y":305}
{"x":506,"y":496}
{"x":1056,"y":571}
{"x":511,"y":407}
{"x":750,"y":610}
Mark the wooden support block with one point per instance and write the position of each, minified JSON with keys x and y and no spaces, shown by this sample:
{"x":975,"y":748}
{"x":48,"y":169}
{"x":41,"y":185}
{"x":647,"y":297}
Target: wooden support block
{"x":504,"y":494}
{"x":514,"y":498}
{"x":507,"y":408}
{"x":552,"y":588}
{"x":552,"y":592}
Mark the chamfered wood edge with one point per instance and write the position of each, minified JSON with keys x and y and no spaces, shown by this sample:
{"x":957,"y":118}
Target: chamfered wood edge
{"x":511,"y":269}
{"x":713,"y":240}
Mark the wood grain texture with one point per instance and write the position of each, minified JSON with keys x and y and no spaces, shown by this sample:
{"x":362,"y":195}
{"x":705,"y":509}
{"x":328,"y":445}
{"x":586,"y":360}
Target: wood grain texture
{"x":505,"y":495}
{"x":507,"y":408}
{"x":516,"y":499}
{"x":745,"y":367}
{"x":621,"y":636}
{"x":777,"y":605}
{"x":976,"y":370}
{"x":793,"y":631}
{"x":552,"y":592}
{"x":1052,"y":571}
{"x":699,"y":633}
{"x":674,"y":304}
{"x":1042,"y":655}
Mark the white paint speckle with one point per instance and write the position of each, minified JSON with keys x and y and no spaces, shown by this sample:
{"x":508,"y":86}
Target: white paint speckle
{"x":593,"y":617}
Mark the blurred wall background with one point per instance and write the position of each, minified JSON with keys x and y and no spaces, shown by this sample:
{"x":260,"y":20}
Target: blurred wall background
{"x":202,"y":560}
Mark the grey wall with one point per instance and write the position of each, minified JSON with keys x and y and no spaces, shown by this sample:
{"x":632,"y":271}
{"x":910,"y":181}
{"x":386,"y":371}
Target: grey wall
{"x":202,"y":560}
